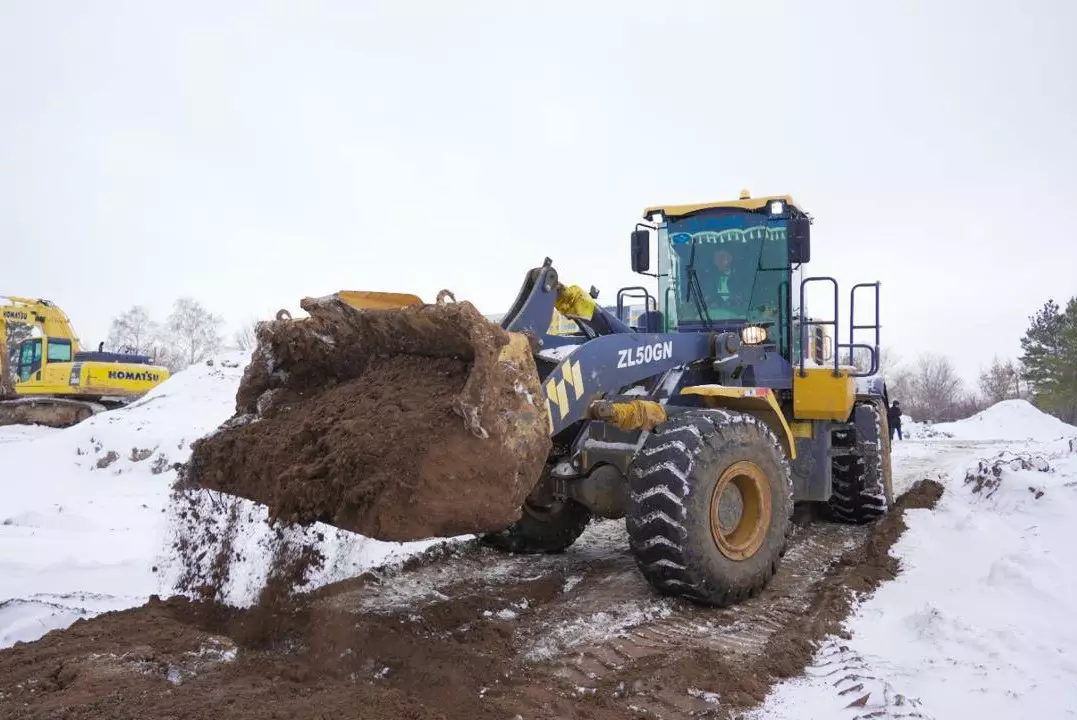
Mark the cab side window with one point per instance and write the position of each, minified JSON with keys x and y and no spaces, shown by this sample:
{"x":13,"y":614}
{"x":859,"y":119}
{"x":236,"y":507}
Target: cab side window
{"x":59,"y":351}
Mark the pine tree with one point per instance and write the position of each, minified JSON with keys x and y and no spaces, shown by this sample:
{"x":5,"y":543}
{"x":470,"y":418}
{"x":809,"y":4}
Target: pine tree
{"x":1050,"y":359}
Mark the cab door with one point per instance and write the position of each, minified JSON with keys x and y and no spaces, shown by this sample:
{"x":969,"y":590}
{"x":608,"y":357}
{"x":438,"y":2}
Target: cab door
{"x":29,"y":359}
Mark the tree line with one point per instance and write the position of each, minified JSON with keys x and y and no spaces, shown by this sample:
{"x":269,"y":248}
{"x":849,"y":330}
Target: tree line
{"x":1045,"y":373}
{"x":190,"y":334}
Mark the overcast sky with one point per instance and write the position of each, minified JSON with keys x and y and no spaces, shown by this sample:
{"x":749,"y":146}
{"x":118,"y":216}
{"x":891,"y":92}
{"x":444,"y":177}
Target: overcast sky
{"x":251,"y":153}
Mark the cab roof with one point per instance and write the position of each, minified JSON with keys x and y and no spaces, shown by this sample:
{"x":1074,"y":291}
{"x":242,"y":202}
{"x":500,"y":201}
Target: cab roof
{"x":746,"y":202}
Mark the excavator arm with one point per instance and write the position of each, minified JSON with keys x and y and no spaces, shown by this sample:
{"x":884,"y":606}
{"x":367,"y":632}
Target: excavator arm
{"x":43,"y":314}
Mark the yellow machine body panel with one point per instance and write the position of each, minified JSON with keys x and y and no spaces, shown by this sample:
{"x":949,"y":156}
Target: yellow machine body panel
{"x":370,"y":299}
{"x":819,"y":395}
{"x":66,"y":378}
{"x":744,"y":203}
{"x":752,"y":400}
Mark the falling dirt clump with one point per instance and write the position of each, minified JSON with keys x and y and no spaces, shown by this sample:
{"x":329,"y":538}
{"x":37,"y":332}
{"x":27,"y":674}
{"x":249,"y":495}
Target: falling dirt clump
{"x":399,"y":425}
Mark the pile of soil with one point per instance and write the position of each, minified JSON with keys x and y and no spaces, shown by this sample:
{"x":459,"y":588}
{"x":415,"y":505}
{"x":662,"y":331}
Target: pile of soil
{"x":395,"y":424}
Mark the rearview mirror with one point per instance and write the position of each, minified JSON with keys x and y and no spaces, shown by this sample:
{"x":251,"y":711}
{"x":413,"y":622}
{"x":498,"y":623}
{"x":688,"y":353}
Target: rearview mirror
{"x":641,"y":251}
{"x":799,"y":239}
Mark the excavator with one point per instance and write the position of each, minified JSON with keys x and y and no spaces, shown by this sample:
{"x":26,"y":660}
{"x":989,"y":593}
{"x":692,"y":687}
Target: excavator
{"x":55,"y":382}
{"x":701,"y":424}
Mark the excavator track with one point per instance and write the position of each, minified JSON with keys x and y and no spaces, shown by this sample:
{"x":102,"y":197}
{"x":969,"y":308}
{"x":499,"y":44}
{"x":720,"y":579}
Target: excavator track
{"x":49,"y":411}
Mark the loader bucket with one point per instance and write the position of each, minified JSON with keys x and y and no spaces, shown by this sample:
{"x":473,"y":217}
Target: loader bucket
{"x":398,"y":423}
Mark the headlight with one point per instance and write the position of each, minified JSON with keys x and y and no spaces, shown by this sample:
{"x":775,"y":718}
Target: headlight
{"x":776,"y":207}
{"x":753,"y":335}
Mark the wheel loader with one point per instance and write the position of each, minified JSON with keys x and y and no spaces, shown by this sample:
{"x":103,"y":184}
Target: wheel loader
{"x":56,"y":382}
{"x":701,"y":425}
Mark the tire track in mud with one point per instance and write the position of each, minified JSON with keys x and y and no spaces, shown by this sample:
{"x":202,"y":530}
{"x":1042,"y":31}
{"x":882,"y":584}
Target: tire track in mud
{"x":743,"y":629}
{"x":598,"y":628}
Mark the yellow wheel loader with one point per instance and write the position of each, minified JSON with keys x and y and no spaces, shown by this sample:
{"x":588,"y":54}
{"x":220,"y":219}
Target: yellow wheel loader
{"x":701,"y":424}
{"x":55,"y":382}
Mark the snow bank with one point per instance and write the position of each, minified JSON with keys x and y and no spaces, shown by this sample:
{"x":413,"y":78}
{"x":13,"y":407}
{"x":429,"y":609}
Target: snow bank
{"x":85,"y":522}
{"x":912,"y":430}
{"x":1009,"y":420}
{"x":980,"y":621}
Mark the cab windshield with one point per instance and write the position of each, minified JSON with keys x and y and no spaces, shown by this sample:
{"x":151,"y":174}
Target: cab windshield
{"x":725,"y":269}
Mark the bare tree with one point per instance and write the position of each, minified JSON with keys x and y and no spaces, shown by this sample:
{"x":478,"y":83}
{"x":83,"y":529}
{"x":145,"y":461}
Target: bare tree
{"x":133,"y":331}
{"x":1001,"y":381}
{"x":932,"y":391}
{"x":244,"y":338}
{"x":938,"y":387}
{"x":193,"y":334}
{"x":967,"y":404}
{"x":887,"y":360}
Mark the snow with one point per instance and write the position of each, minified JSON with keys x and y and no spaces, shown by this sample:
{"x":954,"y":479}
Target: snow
{"x":979,"y":623}
{"x":85,"y":517}
{"x":559,"y":353}
{"x":1008,"y":420}
{"x":597,"y":627}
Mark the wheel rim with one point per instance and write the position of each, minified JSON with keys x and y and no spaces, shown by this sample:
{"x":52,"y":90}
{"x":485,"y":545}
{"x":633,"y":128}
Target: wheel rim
{"x":739,"y":539}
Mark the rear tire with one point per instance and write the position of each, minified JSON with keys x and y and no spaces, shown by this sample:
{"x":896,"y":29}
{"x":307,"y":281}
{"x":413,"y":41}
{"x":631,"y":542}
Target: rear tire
{"x":542,"y":530}
{"x":863,"y":489}
{"x":675,"y":527}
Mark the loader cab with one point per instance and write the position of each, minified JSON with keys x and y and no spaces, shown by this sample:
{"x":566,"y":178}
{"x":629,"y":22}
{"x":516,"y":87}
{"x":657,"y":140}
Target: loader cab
{"x":737,"y":266}
{"x":728,"y":266}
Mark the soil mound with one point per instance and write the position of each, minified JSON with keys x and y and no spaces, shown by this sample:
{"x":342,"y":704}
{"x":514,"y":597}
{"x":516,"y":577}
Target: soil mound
{"x":396,"y":424}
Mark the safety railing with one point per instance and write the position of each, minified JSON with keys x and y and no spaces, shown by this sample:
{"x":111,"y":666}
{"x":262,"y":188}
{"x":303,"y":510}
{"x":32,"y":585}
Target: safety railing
{"x":852,"y":345}
{"x":853,"y":327}
{"x":650,"y":303}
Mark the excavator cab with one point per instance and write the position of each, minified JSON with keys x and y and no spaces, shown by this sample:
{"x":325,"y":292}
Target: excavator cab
{"x":34,"y":353}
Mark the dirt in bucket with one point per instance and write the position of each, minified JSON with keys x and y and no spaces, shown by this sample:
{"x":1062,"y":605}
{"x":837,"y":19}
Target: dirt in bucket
{"x":399,"y":425}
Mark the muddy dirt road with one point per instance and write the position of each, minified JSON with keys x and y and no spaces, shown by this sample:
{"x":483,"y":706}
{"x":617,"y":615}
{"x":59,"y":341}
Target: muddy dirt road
{"x":463,"y":633}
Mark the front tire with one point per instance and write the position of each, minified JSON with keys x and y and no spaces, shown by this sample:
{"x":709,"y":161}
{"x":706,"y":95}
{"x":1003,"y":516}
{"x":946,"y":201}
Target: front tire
{"x":688,"y":474}
{"x":551,"y":529}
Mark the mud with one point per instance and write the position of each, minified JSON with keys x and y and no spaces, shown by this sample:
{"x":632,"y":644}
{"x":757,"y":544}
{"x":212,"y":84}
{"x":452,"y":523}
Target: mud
{"x":398,"y":425}
{"x":463,"y":632}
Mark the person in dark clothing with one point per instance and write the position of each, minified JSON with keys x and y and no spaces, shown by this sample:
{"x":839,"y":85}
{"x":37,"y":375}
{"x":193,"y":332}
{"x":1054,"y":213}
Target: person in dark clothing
{"x":893,"y":417}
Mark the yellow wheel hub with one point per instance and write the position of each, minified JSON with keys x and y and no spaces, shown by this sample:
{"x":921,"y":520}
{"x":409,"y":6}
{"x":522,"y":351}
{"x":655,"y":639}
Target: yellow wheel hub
{"x":740,"y":510}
